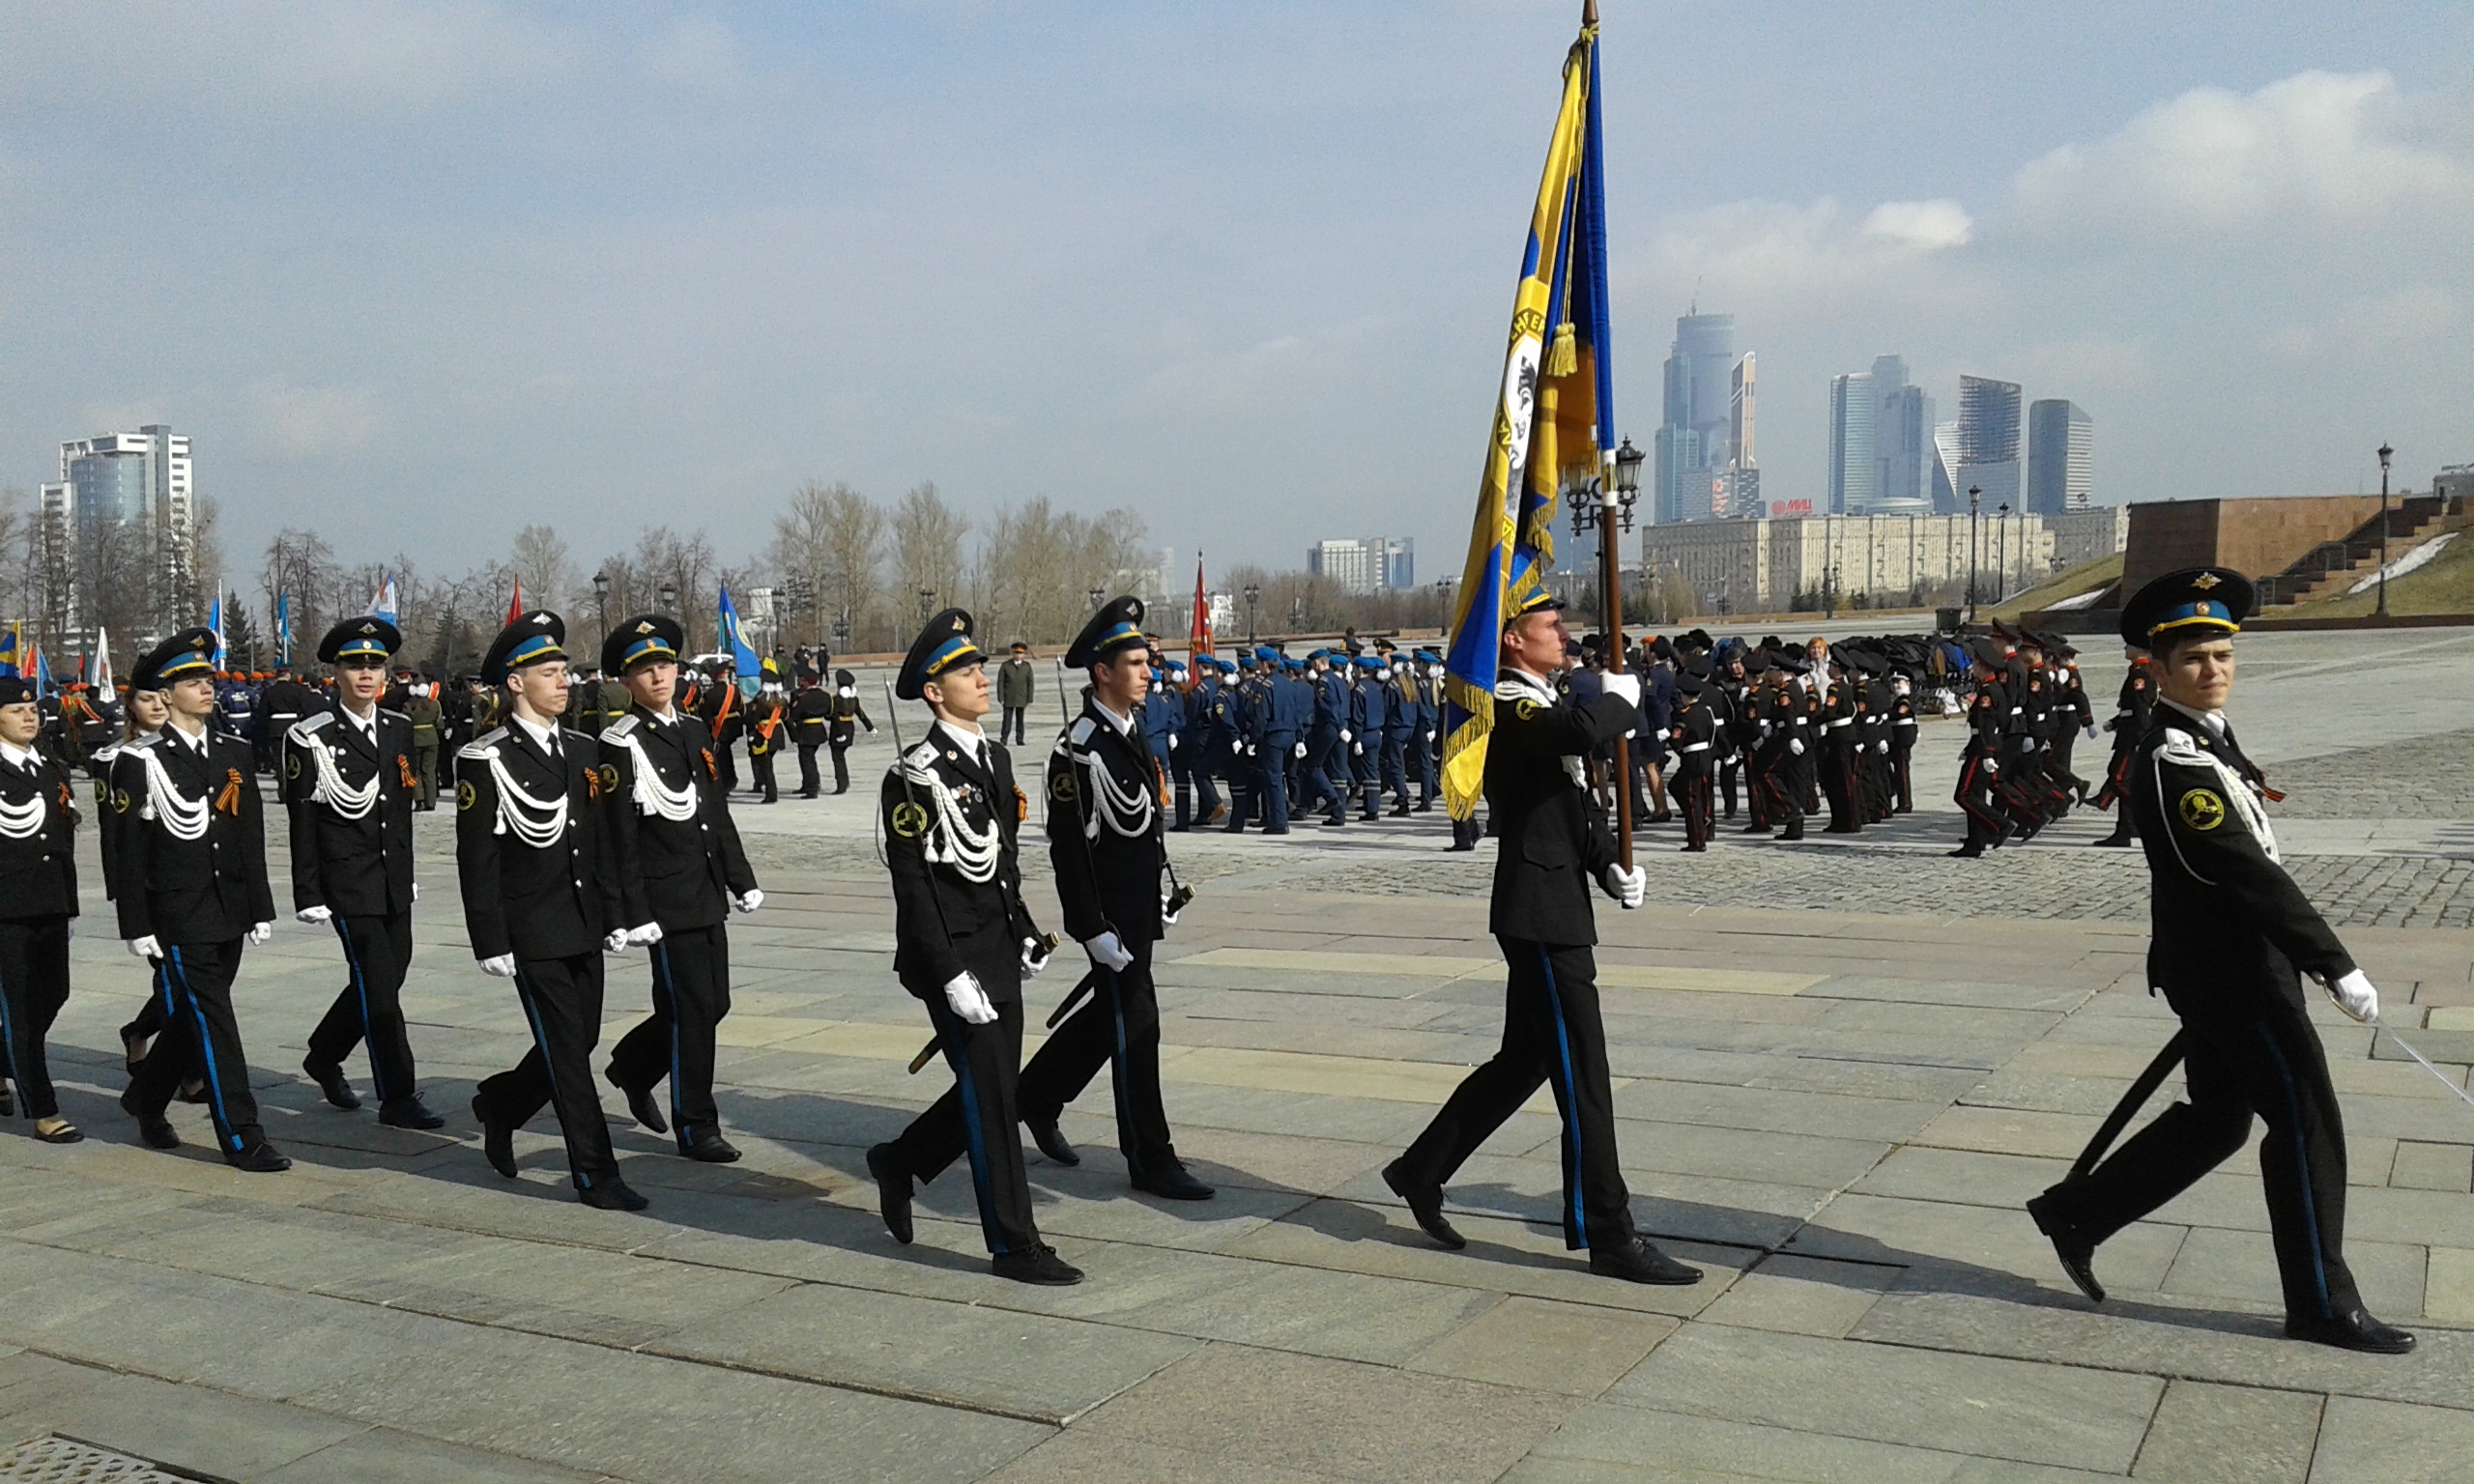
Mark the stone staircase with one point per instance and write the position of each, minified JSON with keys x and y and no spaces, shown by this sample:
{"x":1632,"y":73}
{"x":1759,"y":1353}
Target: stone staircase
{"x":2331,"y":566}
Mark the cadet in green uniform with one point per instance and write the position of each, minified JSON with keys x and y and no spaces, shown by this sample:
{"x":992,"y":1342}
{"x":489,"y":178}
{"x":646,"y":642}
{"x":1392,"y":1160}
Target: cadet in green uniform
{"x":421,"y":708}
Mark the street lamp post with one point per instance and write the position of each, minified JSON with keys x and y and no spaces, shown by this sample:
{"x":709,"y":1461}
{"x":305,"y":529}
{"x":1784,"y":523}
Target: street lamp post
{"x":1095,"y":594}
{"x":1254,"y":596}
{"x":601,"y":598}
{"x":2001,"y":552}
{"x":1976,"y":545}
{"x":2385,"y":454}
{"x":926,"y":600}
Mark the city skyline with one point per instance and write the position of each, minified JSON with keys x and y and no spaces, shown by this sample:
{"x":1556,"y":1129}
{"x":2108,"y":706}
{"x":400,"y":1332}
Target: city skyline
{"x":496,"y":265}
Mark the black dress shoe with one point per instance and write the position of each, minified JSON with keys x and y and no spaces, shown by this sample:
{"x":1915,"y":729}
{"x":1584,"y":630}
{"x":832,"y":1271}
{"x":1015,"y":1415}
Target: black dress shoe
{"x":2117,"y":841}
{"x":330,"y":1077}
{"x":1425,"y":1203}
{"x":158,"y":1130}
{"x":893,"y":1192}
{"x":2078,"y":1255}
{"x":260,"y":1158}
{"x":707,"y":1145}
{"x":1036,"y":1264}
{"x":613,"y":1194}
{"x":1052,"y":1141}
{"x":2354,"y":1329}
{"x":1638,"y":1260}
{"x":408,"y":1113}
{"x":8,"y":1102}
{"x":498,"y":1141}
{"x":1967,"y":853}
{"x":1173,"y":1184}
{"x":641,"y":1105}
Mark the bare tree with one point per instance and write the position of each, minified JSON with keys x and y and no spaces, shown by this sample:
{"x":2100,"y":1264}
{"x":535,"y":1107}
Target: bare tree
{"x":928,"y":549}
{"x":540,"y":559}
{"x":203,"y":572}
{"x":852,"y":583}
{"x":301,"y":577}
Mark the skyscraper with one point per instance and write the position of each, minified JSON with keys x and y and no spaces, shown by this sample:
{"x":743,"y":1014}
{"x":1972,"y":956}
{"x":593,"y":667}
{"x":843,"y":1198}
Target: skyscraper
{"x":124,"y":510}
{"x":1744,"y":470}
{"x":2060,"y":438}
{"x":1694,"y":438}
{"x":1950,"y":496}
{"x":1989,"y":439}
{"x":1902,"y":437}
{"x":1854,"y":463}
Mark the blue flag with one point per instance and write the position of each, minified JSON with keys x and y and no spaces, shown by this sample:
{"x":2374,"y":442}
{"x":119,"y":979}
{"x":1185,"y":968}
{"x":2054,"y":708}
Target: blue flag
{"x":735,"y":639}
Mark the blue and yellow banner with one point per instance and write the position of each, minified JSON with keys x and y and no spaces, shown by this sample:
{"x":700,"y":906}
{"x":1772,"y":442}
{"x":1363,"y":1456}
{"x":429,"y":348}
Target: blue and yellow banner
{"x":11,"y":645}
{"x":1553,"y":420}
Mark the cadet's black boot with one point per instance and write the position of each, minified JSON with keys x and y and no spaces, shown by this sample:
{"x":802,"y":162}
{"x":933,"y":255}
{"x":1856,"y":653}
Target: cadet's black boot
{"x":1637,"y":1260}
{"x":1424,"y":1202}
{"x":613,"y":1194}
{"x":408,"y":1113}
{"x":330,"y":1077}
{"x":893,"y":1192}
{"x":498,"y":1141}
{"x":1038,"y":1264}
{"x":260,"y":1158}
{"x":2353,"y":1329}
{"x":706,"y":1145}
{"x":2077,"y":1254}
{"x":1173,"y":1183}
{"x":640,"y":1104}
{"x":1052,"y":1141}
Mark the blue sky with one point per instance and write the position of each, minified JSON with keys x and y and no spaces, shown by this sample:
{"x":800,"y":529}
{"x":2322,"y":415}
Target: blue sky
{"x":423,"y":273}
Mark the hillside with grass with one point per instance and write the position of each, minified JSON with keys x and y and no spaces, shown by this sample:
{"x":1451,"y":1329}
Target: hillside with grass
{"x":2445,"y":585}
{"x":2087,"y":577}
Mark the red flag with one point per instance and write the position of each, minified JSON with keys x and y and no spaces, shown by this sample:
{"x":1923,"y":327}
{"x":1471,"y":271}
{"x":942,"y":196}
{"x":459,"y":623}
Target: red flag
{"x":1198,"y":641}
{"x":515,"y":601}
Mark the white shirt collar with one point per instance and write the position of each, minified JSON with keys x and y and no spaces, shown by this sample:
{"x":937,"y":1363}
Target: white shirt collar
{"x":1519,"y":684}
{"x":22,"y":756}
{"x":971,"y":739}
{"x":1123,"y":723}
{"x":195,"y":743}
{"x":544,"y":735}
{"x":367,"y":724}
{"x":2213,"y":721}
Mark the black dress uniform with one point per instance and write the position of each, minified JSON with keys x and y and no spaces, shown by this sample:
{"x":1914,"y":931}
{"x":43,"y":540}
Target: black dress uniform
{"x":538,"y":890}
{"x":1694,"y":738}
{"x":191,"y":867}
{"x":38,"y":900}
{"x":1554,"y":845}
{"x":1105,"y":843}
{"x":351,"y":790}
{"x":2234,"y":935}
{"x":724,"y":714}
{"x":679,"y":865}
{"x":811,"y":716}
{"x":952,"y":817}
{"x":845,"y":716}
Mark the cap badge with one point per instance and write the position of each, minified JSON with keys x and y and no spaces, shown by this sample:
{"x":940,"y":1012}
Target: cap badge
{"x":2206,"y":580}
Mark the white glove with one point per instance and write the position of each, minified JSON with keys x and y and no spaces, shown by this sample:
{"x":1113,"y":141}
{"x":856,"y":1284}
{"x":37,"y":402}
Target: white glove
{"x":1990,"y":767}
{"x":1249,"y":749}
{"x":1344,"y":734}
{"x":416,"y":891}
{"x":1629,"y":886}
{"x":1107,"y":953}
{"x":1301,"y":749}
{"x":2092,"y":731}
{"x":315,"y":916}
{"x":754,"y":899}
{"x":1429,"y":737}
{"x":1882,"y":748}
{"x":1795,"y":746}
{"x":1627,"y":685}
{"x":1034,"y":959}
{"x":967,"y":1000}
{"x":615,"y":942}
{"x":1172,"y":741}
{"x":147,"y":948}
{"x":1357,"y":748}
{"x":2354,"y":996}
{"x":501,"y":967}
{"x":260,"y":933}
{"x":1166,"y":918}
{"x":649,"y":933}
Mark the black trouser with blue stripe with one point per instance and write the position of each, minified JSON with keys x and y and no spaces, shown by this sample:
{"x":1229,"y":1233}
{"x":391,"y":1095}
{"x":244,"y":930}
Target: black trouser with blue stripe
{"x":1117,"y":1027}
{"x":691,"y":994}
{"x":1552,"y":1035}
{"x":377,"y":953}
{"x":34,"y":983}
{"x":562,"y":1005}
{"x":976,"y":1116}
{"x":2269,"y":1064}
{"x":201,"y":1034}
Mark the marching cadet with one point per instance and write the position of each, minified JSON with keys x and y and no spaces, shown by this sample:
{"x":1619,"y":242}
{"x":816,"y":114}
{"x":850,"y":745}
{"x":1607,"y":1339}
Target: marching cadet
{"x":2232,"y":937}
{"x":348,"y":784}
{"x":1429,"y":719}
{"x":1243,"y":703}
{"x":1161,"y":716}
{"x":1399,"y":727}
{"x":1903,"y":731}
{"x":811,"y":718}
{"x":1978,"y":793}
{"x":421,"y":708}
{"x":142,"y":714}
{"x":191,"y":891}
{"x":719,"y":708}
{"x":1201,"y":753}
{"x":1554,"y":843}
{"x":849,"y":716}
{"x":1695,"y":737}
{"x":540,"y":902}
{"x":38,"y":900}
{"x":1280,"y":713}
{"x":767,"y":731}
{"x":1327,"y":730}
{"x":681,"y":872}
{"x":2128,"y":723}
{"x":1782,"y":765}
{"x":965,"y":942}
{"x":1105,"y":843}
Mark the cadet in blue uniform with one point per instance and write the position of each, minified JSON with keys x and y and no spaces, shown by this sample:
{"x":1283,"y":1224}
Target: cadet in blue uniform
{"x":1164,"y":718}
{"x":963,"y":943}
{"x":1400,"y":725}
{"x":1554,"y":845}
{"x":350,"y":786}
{"x":1198,"y":754}
{"x":2232,"y":937}
{"x":1277,"y":723}
{"x":1245,"y":702}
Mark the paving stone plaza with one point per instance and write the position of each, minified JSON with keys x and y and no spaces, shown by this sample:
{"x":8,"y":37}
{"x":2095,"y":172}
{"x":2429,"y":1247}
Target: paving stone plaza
{"x":1840,"y":1066}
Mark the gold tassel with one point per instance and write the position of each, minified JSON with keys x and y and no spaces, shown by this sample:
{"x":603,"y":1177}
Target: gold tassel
{"x":1565,"y":358}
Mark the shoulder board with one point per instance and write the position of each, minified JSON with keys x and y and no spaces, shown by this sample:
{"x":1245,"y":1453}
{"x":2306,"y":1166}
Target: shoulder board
{"x":146,"y":740}
{"x":1080,"y":732}
{"x":397,"y":715}
{"x":923,"y":756}
{"x":486,"y":745}
{"x":310,"y":725}
{"x":108,"y":751}
{"x":619,"y":729}
{"x":2183,"y":747}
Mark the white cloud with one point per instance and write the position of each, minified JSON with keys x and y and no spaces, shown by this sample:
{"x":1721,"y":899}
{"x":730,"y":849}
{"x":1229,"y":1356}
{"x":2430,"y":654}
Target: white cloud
{"x":1780,"y":257}
{"x":1928,"y":225}
{"x":2315,"y":148}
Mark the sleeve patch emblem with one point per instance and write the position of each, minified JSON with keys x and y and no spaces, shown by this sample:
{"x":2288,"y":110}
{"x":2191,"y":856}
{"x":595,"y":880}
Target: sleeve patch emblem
{"x":1060,"y":788}
{"x":610,"y":776}
{"x":909,"y":820}
{"x":1524,"y":709}
{"x":465,"y":796}
{"x":2201,"y":809}
{"x":292,"y":765}
{"x":120,"y":801}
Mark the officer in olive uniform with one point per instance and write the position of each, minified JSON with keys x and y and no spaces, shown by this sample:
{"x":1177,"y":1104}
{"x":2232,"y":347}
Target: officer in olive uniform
{"x":681,"y":872}
{"x":1111,"y":858}
{"x":1555,"y":843}
{"x":191,"y":893}
{"x":38,"y":900}
{"x":348,"y":785}
{"x":422,"y":708}
{"x":963,"y":943}
{"x":2232,"y":938}
{"x":541,"y":902}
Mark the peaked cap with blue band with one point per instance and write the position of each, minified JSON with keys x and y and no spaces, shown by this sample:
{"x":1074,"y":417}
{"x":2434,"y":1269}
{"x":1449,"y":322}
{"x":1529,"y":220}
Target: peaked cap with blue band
{"x":189,"y":652}
{"x":2213,"y":600}
{"x":1115,"y":627}
{"x":942,"y":646}
{"x":642,"y":640}
{"x":534,"y":639}
{"x":360,"y":638}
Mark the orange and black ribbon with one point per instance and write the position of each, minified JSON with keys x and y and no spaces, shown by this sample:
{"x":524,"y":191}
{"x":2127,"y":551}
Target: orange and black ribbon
{"x":229,"y":800}
{"x":404,"y":767}
{"x":712,"y":773}
{"x":591,"y":785}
